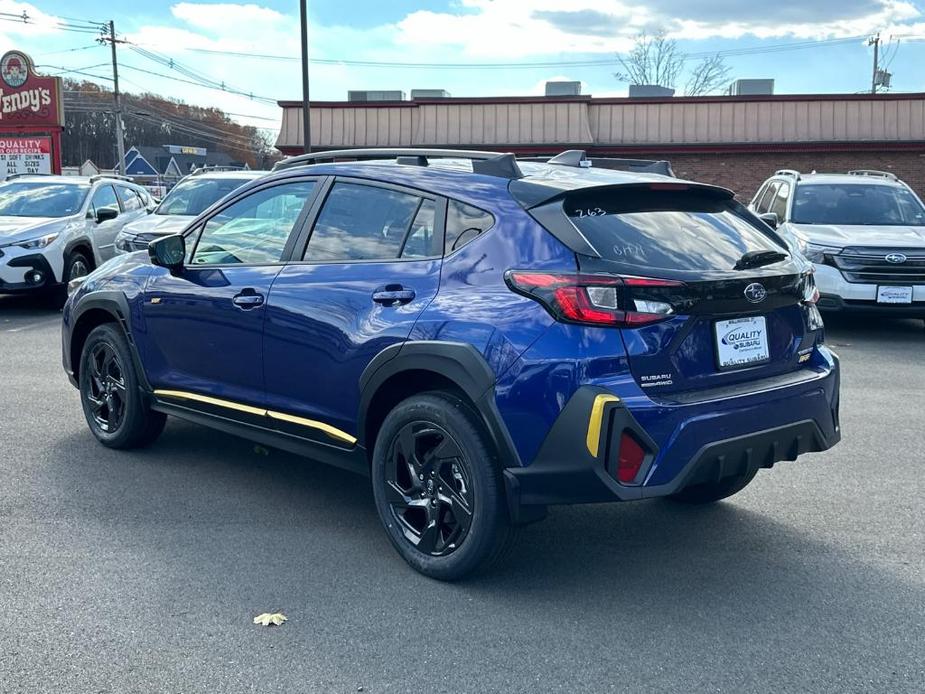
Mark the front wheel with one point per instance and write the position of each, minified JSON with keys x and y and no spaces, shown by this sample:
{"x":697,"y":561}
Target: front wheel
{"x":438,"y":487}
{"x":709,"y":492}
{"x":112,"y":403}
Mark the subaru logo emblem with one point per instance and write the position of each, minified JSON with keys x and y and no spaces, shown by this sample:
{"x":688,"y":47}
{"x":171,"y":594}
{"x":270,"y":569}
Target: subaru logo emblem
{"x":755,"y":293}
{"x":896,"y":258}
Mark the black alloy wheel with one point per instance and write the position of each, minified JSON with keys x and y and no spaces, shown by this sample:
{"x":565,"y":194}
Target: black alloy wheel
{"x":438,"y":487}
{"x":428,"y":488}
{"x":79,"y":266}
{"x":106,"y":392}
{"x":117,"y":412}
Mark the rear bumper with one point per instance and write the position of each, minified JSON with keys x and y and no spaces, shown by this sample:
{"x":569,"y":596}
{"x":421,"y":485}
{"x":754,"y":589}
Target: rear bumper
{"x":831,"y":303}
{"x":687,"y":443}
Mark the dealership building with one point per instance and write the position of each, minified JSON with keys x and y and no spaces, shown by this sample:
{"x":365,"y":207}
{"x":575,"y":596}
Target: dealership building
{"x":734,"y":141}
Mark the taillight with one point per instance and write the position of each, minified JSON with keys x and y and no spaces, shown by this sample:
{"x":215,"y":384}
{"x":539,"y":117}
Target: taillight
{"x":603,"y":300}
{"x":629,"y":459}
{"x":810,"y":301}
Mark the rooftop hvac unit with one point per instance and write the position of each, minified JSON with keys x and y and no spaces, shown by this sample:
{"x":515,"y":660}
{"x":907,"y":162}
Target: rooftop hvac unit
{"x":562,"y":88}
{"x":752,"y":88}
{"x":429,"y":94}
{"x":643,"y":91}
{"x":367,"y":95}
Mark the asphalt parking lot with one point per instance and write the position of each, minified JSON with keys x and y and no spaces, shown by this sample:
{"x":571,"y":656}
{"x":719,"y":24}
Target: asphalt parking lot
{"x":142,"y":571}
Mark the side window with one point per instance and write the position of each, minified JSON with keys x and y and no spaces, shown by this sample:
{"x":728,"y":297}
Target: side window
{"x":360,"y":222}
{"x":104,"y":196}
{"x":464,"y":223}
{"x":759,"y":194}
{"x":129,"y":199}
{"x":779,"y":203}
{"x":765,"y":201}
{"x":253,"y":230}
{"x":421,"y":241}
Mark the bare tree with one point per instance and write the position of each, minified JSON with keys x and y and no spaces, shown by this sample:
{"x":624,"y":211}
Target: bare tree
{"x":709,"y":75}
{"x":656,"y":59}
{"x":653,"y":60}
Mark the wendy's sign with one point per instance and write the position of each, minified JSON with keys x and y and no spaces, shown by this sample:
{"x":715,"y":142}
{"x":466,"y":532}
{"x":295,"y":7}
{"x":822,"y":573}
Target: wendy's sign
{"x":26,"y":98}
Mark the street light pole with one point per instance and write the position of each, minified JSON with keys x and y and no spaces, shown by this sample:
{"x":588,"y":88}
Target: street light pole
{"x":306,"y":121}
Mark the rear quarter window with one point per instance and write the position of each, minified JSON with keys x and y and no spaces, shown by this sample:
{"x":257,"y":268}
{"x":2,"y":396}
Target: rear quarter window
{"x":646,"y":229}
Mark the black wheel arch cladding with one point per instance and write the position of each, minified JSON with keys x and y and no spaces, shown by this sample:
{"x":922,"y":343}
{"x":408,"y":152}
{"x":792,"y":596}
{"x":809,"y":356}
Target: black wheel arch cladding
{"x":458,"y":362}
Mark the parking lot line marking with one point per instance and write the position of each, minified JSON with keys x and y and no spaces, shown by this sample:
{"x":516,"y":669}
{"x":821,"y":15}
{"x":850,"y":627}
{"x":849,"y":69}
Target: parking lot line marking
{"x":29,"y":326}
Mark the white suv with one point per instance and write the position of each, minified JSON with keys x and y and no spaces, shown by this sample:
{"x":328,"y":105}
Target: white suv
{"x":864,"y":231}
{"x":192,"y":195}
{"x":56,"y":228}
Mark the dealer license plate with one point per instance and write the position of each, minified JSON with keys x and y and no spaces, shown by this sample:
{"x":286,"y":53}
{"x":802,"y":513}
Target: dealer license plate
{"x":894,"y":295}
{"x":742,"y":342}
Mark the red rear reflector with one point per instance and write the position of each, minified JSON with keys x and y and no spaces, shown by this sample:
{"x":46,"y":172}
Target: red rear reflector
{"x":630,"y":459}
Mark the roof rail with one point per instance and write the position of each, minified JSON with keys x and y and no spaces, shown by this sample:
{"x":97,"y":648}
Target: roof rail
{"x":874,"y":173}
{"x":100,"y":176}
{"x":215,"y":168}
{"x":788,"y":172}
{"x":578,"y":158}
{"x":488,"y":163}
{"x":18,"y":175}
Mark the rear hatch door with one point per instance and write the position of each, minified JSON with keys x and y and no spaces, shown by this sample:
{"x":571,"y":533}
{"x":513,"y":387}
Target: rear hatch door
{"x":736,"y":305}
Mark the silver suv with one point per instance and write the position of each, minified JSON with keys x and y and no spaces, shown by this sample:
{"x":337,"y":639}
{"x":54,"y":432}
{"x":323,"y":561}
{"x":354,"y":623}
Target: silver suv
{"x":56,"y":228}
{"x":864,"y":231}
{"x":192,"y":195}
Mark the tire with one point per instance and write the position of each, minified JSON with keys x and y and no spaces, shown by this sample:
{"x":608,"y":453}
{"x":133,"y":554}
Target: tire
{"x":438,"y":487}
{"x":112,"y":402}
{"x":714,"y":491}
{"x":76,"y":264}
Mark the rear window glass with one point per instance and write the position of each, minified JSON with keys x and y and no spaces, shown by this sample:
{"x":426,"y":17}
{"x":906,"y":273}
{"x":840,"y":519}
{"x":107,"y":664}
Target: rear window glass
{"x":666,"y":230}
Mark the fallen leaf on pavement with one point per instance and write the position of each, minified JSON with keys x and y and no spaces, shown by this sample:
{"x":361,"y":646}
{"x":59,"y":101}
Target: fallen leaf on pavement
{"x":267,"y":619}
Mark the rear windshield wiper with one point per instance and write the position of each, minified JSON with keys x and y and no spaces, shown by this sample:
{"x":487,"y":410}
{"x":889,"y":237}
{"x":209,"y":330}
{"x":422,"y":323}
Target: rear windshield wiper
{"x":759,"y":259}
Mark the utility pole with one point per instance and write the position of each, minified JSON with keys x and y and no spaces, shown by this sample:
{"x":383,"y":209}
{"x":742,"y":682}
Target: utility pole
{"x":875,"y":42}
{"x":120,"y":141}
{"x":306,"y":122}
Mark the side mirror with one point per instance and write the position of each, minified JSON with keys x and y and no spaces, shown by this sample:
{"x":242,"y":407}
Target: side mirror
{"x":168,"y":252}
{"x":770,"y":218}
{"x":104,"y":214}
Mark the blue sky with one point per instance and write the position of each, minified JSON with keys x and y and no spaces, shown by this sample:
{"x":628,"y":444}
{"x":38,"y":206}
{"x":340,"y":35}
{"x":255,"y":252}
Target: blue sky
{"x":510,"y":32}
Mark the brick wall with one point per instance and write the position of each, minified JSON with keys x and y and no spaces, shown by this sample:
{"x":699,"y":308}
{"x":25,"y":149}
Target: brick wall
{"x":744,"y":173}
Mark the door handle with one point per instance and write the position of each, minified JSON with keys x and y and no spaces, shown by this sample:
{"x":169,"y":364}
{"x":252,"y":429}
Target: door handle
{"x":393,"y":295}
{"x":247,"y":299}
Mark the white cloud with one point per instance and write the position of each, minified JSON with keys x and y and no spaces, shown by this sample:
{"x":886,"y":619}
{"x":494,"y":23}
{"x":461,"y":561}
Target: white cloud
{"x":513,"y":28}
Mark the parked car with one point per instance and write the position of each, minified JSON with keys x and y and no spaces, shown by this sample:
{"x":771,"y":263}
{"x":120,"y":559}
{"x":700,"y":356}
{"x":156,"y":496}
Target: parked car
{"x":56,"y":228}
{"x":864,"y":230}
{"x":482,"y":337}
{"x":191,"y":196}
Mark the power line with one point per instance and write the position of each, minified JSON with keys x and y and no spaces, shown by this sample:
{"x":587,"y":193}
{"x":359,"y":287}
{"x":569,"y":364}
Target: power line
{"x":79,"y":71}
{"x":69,"y":50}
{"x":198,"y":77}
{"x":200,"y":84}
{"x":591,"y":62}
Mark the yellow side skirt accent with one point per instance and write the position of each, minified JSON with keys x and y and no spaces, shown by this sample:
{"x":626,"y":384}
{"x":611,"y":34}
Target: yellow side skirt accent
{"x":594,"y":423}
{"x":333,"y":432}
{"x":321,"y":426}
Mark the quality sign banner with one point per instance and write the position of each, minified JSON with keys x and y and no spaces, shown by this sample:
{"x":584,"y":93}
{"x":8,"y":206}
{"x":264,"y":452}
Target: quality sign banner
{"x":25,"y":155}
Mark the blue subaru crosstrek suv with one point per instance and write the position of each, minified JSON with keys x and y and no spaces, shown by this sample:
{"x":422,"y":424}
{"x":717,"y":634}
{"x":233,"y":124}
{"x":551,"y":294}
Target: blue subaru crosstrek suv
{"x":483,"y":337}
